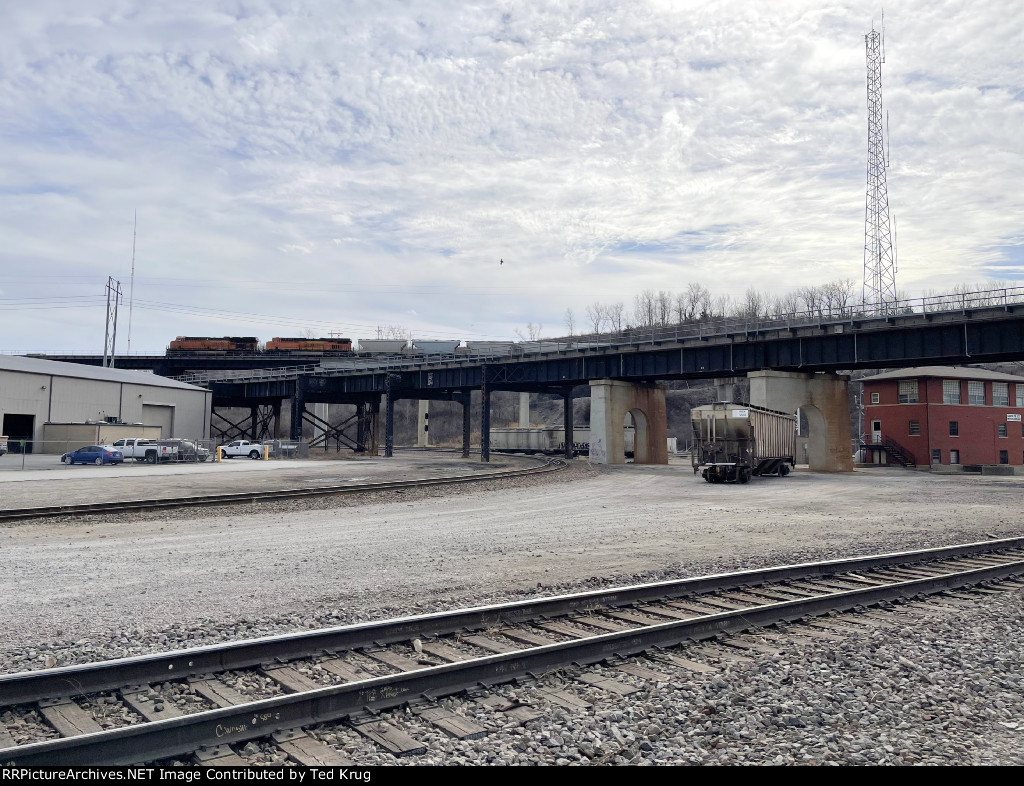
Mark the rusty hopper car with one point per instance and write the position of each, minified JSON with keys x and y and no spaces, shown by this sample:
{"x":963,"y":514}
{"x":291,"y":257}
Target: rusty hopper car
{"x":734,"y":442}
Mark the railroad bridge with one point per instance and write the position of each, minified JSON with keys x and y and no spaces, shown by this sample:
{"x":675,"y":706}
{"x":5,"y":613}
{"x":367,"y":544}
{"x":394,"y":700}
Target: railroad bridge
{"x":792,"y":362}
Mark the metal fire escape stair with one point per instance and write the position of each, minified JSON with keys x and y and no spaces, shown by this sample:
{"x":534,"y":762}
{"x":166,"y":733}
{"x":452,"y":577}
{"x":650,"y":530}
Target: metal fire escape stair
{"x":894,"y":450}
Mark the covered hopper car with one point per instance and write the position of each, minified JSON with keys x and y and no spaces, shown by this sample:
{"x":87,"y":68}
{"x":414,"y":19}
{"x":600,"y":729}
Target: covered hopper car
{"x":734,"y":442}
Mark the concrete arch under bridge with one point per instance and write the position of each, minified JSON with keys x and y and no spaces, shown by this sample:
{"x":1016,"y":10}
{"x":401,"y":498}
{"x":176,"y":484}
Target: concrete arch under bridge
{"x":610,"y":401}
{"x":824,"y":399}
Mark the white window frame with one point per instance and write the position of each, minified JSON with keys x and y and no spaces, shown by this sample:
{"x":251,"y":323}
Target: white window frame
{"x":1000,"y":394}
{"x":874,"y":398}
{"x":909,"y":391}
{"x":972,"y":393}
{"x":949,"y":388}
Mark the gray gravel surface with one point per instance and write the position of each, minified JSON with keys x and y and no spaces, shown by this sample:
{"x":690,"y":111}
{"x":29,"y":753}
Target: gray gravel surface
{"x":81,"y":591}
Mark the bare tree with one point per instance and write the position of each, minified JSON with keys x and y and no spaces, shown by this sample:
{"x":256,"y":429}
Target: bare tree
{"x":616,"y":316}
{"x":596,"y":316}
{"x":394,"y":332}
{"x":532,"y":332}
{"x":570,"y":321}
{"x":645,"y":309}
{"x":663,"y":308}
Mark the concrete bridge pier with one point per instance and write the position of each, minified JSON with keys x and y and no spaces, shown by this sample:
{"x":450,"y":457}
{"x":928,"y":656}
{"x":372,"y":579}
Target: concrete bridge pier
{"x":524,"y":410}
{"x":824,"y":399}
{"x":423,"y":424}
{"x":610,"y":401}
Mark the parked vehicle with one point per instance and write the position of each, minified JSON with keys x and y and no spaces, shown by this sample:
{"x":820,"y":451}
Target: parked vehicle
{"x":241,"y":447}
{"x":148,"y":450}
{"x":734,"y":442}
{"x":185,"y":450}
{"x":93,"y":454}
{"x":3,"y":444}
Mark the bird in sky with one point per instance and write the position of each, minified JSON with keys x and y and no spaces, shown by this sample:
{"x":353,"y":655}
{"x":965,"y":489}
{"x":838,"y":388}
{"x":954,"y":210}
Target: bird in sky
{"x":501,"y":261}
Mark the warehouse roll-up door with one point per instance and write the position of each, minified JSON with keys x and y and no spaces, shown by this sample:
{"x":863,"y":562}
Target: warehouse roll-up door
{"x":159,"y":415}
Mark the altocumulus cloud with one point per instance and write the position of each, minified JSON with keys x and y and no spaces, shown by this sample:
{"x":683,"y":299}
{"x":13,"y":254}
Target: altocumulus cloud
{"x":347,"y":165}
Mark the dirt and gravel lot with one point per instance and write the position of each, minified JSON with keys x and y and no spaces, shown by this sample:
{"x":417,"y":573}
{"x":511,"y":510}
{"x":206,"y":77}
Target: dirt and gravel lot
{"x":274,"y":567}
{"x":52,"y":483}
{"x":932,"y":687}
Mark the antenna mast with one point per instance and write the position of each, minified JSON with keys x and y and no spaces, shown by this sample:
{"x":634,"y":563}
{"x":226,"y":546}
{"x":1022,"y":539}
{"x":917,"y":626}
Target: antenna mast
{"x":131,"y":284}
{"x":879,"y":264}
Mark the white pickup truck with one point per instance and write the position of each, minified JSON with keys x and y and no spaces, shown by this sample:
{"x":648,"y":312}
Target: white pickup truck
{"x":147,"y":450}
{"x":241,"y":447}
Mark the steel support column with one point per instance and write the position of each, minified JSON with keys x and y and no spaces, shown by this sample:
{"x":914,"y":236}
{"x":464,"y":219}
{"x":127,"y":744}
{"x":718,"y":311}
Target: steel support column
{"x":570,"y":451}
{"x":277,"y":419}
{"x":374,"y":428}
{"x":254,"y":414}
{"x":298,"y":409}
{"x":389,"y":416}
{"x":485,"y":423}
{"x":467,"y":421}
{"x":360,"y":428}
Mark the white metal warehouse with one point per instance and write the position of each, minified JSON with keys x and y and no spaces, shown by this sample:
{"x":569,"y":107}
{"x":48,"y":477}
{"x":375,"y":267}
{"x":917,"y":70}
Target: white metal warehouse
{"x":56,"y":406}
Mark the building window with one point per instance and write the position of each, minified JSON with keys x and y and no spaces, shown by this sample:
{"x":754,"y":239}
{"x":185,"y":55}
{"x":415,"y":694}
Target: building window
{"x":1002,"y":429}
{"x":1020,"y":394}
{"x":908,"y":392}
{"x":1004,"y":457}
{"x":954,"y":428}
{"x":874,"y":398}
{"x":1000,"y":394}
{"x":950,"y":391}
{"x":976,"y":394}
{"x":915,"y":428}
{"x":936,"y":456}
{"x":954,"y":457}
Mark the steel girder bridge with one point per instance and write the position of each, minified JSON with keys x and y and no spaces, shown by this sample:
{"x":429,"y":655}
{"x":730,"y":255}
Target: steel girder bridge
{"x":985,"y":334}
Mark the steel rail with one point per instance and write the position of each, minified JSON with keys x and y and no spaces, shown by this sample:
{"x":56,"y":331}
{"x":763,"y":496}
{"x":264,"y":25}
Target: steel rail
{"x":181,"y":735}
{"x":29,"y":686}
{"x":234,"y":498}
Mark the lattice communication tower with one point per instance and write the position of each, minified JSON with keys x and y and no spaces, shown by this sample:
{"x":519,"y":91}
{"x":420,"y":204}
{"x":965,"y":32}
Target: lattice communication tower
{"x":879,"y":261}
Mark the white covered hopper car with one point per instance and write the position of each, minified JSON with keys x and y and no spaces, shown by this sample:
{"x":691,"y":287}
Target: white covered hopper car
{"x":548,"y":440}
{"x":733,"y":442}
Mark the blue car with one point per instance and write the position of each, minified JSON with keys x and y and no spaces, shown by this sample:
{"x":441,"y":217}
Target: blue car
{"x":93,"y":454}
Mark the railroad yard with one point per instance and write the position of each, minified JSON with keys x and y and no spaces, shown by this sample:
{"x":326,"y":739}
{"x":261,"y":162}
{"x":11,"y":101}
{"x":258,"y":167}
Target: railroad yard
{"x":933,"y":680}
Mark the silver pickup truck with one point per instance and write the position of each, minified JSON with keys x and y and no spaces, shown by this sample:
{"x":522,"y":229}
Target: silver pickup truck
{"x":147,"y":450}
{"x":242,"y":447}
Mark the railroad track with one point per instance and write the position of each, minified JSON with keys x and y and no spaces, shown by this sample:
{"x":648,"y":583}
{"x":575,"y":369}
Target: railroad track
{"x":249,"y":497}
{"x":278,"y":687}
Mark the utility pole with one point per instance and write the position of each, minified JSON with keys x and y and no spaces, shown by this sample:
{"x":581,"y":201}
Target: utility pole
{"x":879,"y":287}
{"x":131,"y":285}
{"x":110,"y":334}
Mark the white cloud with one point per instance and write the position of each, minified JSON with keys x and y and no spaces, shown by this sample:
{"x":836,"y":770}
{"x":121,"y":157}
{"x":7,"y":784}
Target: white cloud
{"x":370,"y":167}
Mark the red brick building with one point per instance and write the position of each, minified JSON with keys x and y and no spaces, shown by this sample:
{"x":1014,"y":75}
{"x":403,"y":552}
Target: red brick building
{"x":944,"y":415}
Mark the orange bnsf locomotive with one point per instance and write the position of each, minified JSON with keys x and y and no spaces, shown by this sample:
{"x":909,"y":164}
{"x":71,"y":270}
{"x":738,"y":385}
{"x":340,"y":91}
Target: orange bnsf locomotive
{"x":250,"y":345}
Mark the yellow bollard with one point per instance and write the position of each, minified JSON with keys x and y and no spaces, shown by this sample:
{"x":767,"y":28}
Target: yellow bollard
{"x":266,"y":452}
{"x":218,"y":457}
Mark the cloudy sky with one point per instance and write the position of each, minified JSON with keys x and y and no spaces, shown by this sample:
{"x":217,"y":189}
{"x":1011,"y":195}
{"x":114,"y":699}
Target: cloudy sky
{"x":341,"y":166}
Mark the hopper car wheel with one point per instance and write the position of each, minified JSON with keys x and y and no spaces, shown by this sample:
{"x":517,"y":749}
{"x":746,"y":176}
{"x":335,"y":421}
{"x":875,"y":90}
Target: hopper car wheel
{"x":254,"y":455}
{"x":784,"y":470}
{"x":68,"y":460}
{"x":98,"y":462}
